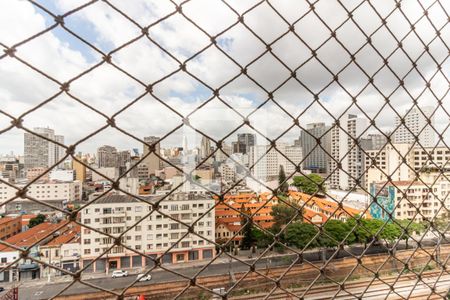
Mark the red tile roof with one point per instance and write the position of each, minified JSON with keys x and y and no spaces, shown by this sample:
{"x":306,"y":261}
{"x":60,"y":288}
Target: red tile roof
{"x":31,"y":236}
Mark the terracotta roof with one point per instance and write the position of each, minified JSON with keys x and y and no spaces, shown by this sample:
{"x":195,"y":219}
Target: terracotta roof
{"x":68,"y":235}
{"x":31,"y":236}
{"x":8,"y":219}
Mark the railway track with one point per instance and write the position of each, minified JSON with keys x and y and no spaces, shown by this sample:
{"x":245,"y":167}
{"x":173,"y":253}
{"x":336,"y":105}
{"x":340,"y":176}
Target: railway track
{"x":377,"y":290}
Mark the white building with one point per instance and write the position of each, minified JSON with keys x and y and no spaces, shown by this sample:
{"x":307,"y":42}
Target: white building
{"x":389,"y":161}
{"x":154,"y":235}
{"x":62,"y":175}
{"x":347,"y":164}
{"x":53,"y":192}
{"x":267,"y":165}
{"x":416,"y":124}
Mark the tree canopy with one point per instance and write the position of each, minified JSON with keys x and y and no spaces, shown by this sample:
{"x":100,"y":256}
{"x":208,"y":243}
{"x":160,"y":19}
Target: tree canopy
{"x":283,"y":213}
{"x":40,"y":218}
{"x":310,"y":184}
{"x":300,"y":234}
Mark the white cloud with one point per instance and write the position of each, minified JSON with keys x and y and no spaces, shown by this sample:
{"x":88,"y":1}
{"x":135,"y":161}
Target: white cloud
{"x":109,"y":90}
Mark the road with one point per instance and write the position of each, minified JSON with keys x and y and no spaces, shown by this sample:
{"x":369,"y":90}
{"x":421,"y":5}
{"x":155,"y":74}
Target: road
{"x":46,"y":290}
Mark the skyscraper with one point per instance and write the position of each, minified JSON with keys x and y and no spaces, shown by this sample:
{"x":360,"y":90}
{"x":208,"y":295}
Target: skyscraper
{"x":244,"y":142}
{"x":347,"y":164}
{"x":59,"y":151}
{"x":152,"y":161}
{"x":107,"y":157}
{"x":416,"y":124}
{"x":316,"y":156}
{"x":39,"y":152}
{"x":205,"y":148}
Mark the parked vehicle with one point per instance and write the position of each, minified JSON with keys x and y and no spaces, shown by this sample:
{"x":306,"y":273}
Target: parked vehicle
{"x":119,"y":273}
{"x":143,"y":277}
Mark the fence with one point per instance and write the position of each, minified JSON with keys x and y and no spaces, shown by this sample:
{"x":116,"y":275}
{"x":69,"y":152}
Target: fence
{"x":208,"y":70}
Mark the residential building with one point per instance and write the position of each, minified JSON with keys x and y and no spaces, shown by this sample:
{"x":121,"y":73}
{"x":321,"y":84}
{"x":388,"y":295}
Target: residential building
{"x":39,"y":152}
{"x":10,"y":226}
{"x":267,"y":162}
{"x":152,"y":161}
{"x":388,"y":161}
{"x":154,"y":235}
{"x":415,"y":124}
{"x":107,"y":157}
{"x":25,"y":269}
{"x":316,"y":156}
{"x":412,"y":200}
{"x":63,"y":251}
{"x":347,"y":167}
{"x":229,"y":214}
{"x":32,"y":173}
{"x":401,"y":161}
{"x":56,"y":193}
{"x":60,"y":152}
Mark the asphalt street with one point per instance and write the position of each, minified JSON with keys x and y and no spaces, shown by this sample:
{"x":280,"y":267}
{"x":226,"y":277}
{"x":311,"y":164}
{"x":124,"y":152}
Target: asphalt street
{"x":49,"y":290}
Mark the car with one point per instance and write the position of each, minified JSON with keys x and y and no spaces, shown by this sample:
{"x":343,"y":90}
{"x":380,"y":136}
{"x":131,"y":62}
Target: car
{"x":119,"y":273}
{"x":144,"y":277}
{"x":2,"y":289}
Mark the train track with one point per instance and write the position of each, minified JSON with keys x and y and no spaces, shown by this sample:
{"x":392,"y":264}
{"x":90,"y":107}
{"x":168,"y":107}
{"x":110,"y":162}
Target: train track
{"x":377,"y":290}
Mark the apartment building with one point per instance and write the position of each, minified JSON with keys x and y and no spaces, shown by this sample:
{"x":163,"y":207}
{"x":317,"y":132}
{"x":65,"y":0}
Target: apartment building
{"x":348,"y":164}
{"x":316,"y":156}
{"x":405,"y":199}
{"x":401,"y":161}
{"x":54,"y":192}
{"x":154,"y":235}
{"x":229,"y":218}
{"x":416,"y":125}
{"x":267,"y":162}
{"x":10,"y":226}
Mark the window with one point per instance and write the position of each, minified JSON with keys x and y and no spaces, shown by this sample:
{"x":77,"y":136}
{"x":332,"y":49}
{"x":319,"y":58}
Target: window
{"x":185,"y":207}
{"x":174,"y":207}
{"x":138,"y":209}
{"x":137,"y":218}
{"x":149,"y":236}
{"x":137,"y":228}
{"x":137,"y":238}
{"x":87,"y":221}
{"x":3,"y":260}
{"x":87,"y":251}
{"x":87,"y":241}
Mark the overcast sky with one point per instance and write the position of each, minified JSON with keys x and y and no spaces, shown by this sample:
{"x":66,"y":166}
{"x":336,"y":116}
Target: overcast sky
{"x":63,"y":57}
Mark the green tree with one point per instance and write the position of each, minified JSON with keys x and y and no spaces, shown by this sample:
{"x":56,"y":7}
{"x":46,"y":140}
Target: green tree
{"x":300,"y":234}
{"x":334,"y":232}
{"x":310,"y":184}
{"x":410,"y":229}
{"x":262,"y":239}
{"x":40,"y":218}
{"x":283,"y":213}
{"x":360,"y":232}
{"x":390,"y":233}
{"x":246,"y":229}
{"x":282,"y":183}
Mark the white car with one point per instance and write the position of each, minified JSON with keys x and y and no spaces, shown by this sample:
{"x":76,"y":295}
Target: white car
{"x":143,"y":277}
{"x":119,"y":273}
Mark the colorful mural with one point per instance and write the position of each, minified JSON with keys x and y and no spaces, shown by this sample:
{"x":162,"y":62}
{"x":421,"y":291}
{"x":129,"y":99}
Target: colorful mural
{"x":385,"y":201}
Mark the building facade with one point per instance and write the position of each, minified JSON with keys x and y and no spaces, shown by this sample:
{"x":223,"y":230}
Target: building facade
{"x":416,"y":125}
{"x":107,"y":157}
{"x":347,"y":167}
{"x":316,"y":157}
{"x":152,"y":161}
{"x":154,"y":235}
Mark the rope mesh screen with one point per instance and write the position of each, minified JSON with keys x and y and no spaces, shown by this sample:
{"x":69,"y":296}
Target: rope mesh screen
{"x":306,"y":61}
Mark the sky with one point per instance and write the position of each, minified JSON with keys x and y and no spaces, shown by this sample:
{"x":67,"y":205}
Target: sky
{"x":106,"y":91}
